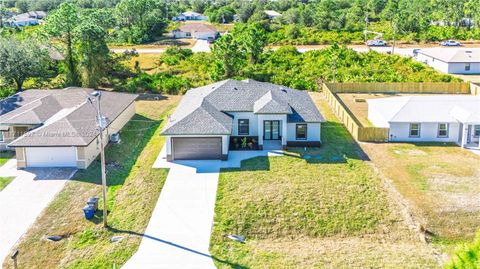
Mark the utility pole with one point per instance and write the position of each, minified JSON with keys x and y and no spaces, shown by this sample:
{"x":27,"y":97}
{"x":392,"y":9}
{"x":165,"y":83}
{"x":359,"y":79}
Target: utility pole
{"x":394,"y":36}
{"x":101,"y":124}
{"x":366,"y":29}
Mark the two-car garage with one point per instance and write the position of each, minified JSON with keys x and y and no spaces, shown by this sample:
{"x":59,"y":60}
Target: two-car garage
{"x":196,"y":148}
{"x":51,"y":156}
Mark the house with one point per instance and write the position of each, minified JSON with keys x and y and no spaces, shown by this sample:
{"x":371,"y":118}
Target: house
{"x":211,"y":118}
{"x":452,"y":60}
{"x":197,"y":31}
{"x":272,"y":14}
{"x":57,"y":128}
{"x":26,"y":19}
{"x":428,"y":118}
{"x":190,"y":16}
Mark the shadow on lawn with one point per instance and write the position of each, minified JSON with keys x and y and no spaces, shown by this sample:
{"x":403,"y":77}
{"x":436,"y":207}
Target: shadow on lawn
{"x":232,"y":265}
{"x":120,"y":158}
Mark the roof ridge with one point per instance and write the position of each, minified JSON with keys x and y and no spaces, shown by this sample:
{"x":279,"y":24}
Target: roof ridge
{"x":400,"y":109}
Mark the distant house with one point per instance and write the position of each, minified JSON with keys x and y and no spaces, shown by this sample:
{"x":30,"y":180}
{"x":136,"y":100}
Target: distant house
{"x":272,"y":14}
{"x":452,"y":60}
{"x":429,"y":118}
{"x":190,"y":16}
{"x":26,"y":19}
{"x":196,"y":30}
{"x":57,"y":128}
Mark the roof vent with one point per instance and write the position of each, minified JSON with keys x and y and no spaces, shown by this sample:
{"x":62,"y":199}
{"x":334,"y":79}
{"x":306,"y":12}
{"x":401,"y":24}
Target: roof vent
{"x":235,"y":89}
{"x":468,"y":51}
{"x":283,"y":89}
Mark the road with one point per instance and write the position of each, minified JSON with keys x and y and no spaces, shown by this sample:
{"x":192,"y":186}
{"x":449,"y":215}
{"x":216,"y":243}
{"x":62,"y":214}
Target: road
{"x":203,"y":46}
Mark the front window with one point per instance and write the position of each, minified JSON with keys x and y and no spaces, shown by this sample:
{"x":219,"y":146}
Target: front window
{"x":443,"y":130}
{"x":243,"y":127}
{"x":188,"y":34}
{"x":476,"y":132}
{"x":414,"y":129}
{"x":467,"y":67}
{"x":1,"y":136}
{"x":301,"y":132}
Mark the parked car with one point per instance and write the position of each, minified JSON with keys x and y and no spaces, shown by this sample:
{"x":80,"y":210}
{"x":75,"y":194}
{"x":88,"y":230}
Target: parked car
{"x":415,"y":52}
{"x":450,"y":43}
{"x":210,"y":40}
{"x":376,"y":43}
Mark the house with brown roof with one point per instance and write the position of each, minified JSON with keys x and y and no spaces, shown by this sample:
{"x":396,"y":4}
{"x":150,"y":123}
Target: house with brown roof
{"x":57,"y":128}
{"x":196,"y":30}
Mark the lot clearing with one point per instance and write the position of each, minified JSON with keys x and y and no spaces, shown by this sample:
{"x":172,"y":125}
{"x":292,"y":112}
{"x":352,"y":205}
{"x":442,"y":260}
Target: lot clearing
{"x":442,"y":183}
{"x":315,"y":208}
{"x":132,"y":192}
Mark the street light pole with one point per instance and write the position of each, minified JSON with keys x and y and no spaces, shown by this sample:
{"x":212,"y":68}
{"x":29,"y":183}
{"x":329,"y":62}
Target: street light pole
{"x":101,"y":123}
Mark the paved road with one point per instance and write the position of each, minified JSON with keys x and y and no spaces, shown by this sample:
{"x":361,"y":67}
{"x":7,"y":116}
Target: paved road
{"x":178,"y":234}
{"x":23,"y":200}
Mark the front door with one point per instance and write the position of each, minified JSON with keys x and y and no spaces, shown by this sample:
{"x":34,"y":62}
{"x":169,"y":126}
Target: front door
{"x":271,"y":130}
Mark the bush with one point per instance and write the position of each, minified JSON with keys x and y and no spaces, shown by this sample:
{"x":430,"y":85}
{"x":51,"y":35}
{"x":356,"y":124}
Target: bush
{"x":157,"y":83}
{"x":467,"y":256}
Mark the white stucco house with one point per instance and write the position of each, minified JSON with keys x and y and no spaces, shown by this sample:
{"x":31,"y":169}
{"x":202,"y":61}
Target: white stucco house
{"x":57,"y":128}
{"x":452,"y":60}
{"x":429,"y":118}
{"x":196,"y":30}
{"x":214,"y":119}
{"x":190,"y":16}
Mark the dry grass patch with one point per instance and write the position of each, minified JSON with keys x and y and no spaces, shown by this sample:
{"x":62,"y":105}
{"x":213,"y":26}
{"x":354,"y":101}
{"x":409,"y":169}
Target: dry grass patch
{"x":323,"y":207}
{"x":146,"y":62}
{"x":133,"y":191}
{"x":441,"y":181}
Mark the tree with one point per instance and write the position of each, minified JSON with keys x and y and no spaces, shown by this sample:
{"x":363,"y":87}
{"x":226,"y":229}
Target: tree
{"x":93,"y":52}
{"x":141,"y":20}
{"x":62,"y":23}
{"x":21,"y":60}
{"x":229,"y":57}
{"x":251,"y":38}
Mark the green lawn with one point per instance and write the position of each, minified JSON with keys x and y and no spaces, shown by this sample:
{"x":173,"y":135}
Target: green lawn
{"x":329,"y":210}
{"x":133,"y":191}
{"x":4,"y":181}
{"x":5,"y":156}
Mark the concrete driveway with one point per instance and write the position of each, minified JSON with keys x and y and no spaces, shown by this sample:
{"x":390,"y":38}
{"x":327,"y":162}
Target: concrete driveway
{"x":178,"y":234}
{"x":24,"y":199}
{"x":201,"y":46}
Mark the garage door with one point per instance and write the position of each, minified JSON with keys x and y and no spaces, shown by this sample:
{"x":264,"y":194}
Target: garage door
{"x":194,"y":148}
{"x":51,"y":157}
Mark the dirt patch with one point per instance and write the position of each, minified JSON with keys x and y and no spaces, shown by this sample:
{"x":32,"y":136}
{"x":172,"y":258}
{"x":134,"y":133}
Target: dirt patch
{"x":411,"y":152}
{"x":456,"y":193}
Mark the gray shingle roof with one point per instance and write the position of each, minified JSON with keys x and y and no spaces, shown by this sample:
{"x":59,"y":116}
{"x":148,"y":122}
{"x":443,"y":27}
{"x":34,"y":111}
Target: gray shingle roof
{"x":63,"y":117}
{"x":201,"y":109}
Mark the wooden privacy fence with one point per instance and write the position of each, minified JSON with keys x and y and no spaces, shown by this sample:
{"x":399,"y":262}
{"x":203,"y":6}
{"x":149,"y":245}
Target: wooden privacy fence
{"x":360,"y":133}
{"x":374,"y":134}
{"x":401,"y":87}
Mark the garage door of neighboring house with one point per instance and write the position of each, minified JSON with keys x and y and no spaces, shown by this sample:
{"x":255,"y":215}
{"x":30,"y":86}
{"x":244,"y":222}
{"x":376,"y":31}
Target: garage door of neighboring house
{"x":51,"y":157}
{"x":197,"y":148}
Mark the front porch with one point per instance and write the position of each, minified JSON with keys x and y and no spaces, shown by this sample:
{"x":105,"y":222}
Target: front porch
{"x":469,"y":136}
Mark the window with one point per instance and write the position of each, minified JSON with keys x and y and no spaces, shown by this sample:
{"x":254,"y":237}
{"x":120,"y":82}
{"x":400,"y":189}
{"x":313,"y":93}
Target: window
{"x":442,"y":130}
{"x":414,"y":129}
{"x":476,"y":131}
{"x":243,"y":127}
{"x":1,"y":136}
{"x":301,"y":132}
{"x":188,"y":34}
{"x":467,"y":66}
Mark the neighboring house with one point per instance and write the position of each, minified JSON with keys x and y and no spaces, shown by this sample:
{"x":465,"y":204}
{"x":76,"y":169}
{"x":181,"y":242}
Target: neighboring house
{"x":190,"y":16}
{"x":26,"y":19}
{"x":57,"y":128}
{"x":210,"y":119}
{"x":452,"y":60}
{"x":196,"y":30}
{"x":272,"y":14}
{"x":430,"y":118}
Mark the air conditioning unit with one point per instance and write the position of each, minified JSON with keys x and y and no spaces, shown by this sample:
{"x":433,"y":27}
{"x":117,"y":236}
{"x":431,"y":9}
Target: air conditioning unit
{"x":115,"y":138}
